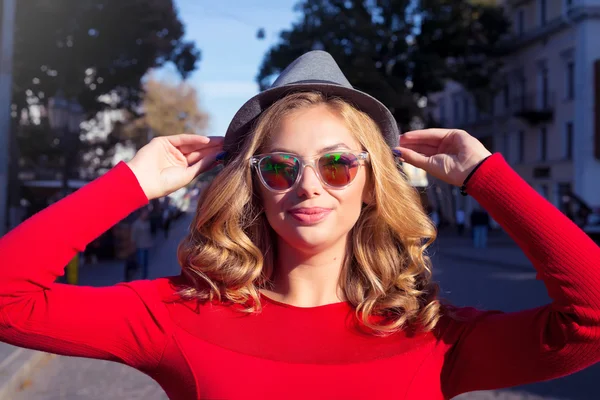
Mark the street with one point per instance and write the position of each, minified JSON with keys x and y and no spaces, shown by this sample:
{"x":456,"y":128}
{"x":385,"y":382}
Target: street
{"x":464,"y":282}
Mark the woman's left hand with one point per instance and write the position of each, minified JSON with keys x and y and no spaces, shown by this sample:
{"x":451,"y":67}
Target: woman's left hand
{"x":447,"y":154}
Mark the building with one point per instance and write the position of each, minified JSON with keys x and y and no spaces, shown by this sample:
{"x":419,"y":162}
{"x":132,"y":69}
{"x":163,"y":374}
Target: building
{"x":7,"y":12}
{"x":546,"y":119}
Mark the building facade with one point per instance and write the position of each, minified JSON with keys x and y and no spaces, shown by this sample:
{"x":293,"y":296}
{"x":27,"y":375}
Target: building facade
{"x":546,"y":118}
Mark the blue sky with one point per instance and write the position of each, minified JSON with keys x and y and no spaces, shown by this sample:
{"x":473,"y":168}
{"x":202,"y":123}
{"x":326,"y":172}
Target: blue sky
{"x":225,"y":31}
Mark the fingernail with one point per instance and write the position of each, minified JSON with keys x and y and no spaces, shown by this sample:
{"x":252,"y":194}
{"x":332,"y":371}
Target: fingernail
{"x":221,"y":156}
{"x":397,"y":153}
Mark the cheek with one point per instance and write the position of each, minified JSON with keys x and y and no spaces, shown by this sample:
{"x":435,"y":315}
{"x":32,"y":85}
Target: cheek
{"x":271,"y":203}
{"x":353,"y":197}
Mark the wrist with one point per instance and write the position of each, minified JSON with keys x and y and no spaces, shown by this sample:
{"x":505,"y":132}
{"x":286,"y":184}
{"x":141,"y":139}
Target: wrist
{"x":471,"y":172}
{"x":139,"y":176}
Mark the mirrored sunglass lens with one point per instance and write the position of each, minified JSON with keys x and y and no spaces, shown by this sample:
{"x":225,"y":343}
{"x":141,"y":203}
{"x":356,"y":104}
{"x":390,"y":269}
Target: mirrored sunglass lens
{"x":338,"y":169}
{"x":279,"y":171}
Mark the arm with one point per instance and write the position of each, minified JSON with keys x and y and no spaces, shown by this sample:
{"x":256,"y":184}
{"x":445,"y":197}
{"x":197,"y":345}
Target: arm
{"x":123,"y":323}
{"x":496,"y":350}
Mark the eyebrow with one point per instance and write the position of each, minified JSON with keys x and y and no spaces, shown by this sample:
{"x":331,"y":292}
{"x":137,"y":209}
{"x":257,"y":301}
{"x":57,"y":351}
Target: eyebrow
{"x":322,"y":150}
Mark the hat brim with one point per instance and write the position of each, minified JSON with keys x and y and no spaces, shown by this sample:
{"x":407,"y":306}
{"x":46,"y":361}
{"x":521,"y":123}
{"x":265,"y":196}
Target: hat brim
{"x":244,"y":119}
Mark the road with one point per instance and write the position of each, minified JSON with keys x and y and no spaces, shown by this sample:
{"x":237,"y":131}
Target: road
{"x":463,"y":283}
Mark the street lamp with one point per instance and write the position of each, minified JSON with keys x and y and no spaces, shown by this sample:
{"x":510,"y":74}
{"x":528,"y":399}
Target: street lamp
{"x":66,"y":117}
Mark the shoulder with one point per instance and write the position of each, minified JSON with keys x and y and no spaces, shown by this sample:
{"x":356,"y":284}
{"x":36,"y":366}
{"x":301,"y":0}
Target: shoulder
{"x":168,"y":291}
{"x":457,"y":321}
{"x":155,"y":295}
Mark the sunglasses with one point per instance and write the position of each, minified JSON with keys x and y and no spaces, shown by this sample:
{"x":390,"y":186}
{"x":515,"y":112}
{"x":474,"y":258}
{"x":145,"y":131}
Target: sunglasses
{"x":279,"y":172}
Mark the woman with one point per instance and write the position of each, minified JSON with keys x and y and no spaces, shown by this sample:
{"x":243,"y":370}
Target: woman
{"x":305,"y":272}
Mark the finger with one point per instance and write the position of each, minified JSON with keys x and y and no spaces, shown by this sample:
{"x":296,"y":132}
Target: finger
{"x":425,"y":149}
{"x":202,"y":165}
{"x":191,"y":139}
{"x":195,"y":156}
{"x":429,"y":136}
{"x":189,"y":148}
{"x":414,"y":158}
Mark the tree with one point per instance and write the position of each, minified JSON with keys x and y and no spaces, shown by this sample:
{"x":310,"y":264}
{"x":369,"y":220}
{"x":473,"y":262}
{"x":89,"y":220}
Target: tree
{"x":172,"y":108}
{"x":397,"y":50}
{"x":167,"y":108}
{"x":462,"y":41}
{"x":88,"y":48}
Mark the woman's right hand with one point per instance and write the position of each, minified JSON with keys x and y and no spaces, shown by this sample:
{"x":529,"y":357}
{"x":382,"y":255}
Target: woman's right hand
{"x":168,"y":163}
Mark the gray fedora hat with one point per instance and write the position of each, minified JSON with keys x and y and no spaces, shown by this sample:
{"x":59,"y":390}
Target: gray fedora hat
{"x":313,"y":71}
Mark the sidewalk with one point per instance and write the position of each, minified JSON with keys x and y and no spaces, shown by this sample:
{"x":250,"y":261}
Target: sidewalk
{"x":16,"y":363}
{"x":501,"y":250}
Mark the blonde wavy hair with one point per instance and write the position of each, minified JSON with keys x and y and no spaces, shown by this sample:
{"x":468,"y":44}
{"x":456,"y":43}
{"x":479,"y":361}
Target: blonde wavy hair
{"x":228,"y":254}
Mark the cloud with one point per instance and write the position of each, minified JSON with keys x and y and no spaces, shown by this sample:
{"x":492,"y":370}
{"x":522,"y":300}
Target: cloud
{"x":227,"y":89}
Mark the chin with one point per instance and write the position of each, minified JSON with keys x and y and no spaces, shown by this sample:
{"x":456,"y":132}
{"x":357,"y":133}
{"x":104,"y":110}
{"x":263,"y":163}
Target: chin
{"x":309,"y":239}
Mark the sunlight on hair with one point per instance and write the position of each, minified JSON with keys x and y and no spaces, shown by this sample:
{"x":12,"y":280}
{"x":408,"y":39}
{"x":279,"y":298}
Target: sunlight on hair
{"x":228,"y":254}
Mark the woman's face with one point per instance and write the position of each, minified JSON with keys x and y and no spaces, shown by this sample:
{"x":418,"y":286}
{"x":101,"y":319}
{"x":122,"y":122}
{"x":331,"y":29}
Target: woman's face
{"x":312,"y":216}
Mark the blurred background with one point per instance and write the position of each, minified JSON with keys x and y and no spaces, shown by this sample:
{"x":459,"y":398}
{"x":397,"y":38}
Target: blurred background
{"x":85,"y":83}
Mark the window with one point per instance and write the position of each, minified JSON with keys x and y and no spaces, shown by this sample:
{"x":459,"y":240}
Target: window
{"x":570,"y":80}
{"x":544,"y":191}
{"x":542,"y":10}
{"x":543,"y":144}
{"x":521,"y":145}
{"x":568,"y":149}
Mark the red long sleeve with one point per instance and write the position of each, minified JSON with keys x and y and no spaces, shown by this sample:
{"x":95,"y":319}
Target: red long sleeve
{"x":113,"y":323}
{"x":213,"y":351}
{"x":498,"y":350}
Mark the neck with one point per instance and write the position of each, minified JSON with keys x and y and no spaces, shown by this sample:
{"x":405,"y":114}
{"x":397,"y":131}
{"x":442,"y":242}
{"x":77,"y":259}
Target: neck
{"x":308,"y":278}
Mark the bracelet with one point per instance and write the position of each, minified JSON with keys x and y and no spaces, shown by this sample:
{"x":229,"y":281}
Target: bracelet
{"x":463,"y":188}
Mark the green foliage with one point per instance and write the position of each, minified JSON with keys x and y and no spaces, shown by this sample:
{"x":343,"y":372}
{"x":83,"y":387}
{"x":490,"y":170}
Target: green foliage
{"x":92,"y":47}
{"x":397,"y":50}
{"x":86,"y":49}
{"x":172,"y":108}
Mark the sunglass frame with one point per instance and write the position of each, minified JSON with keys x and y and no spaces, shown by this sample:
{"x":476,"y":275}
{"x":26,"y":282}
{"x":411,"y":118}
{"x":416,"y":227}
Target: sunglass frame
{"x":361,"y":156}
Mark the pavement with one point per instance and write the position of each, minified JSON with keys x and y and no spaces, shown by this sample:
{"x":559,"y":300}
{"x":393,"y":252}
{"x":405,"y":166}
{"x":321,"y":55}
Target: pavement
{"x":501,"y":250}
{"x":16,"y":364}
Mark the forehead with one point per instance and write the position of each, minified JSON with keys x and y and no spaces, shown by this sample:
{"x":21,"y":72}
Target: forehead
{"x":311,"y":130}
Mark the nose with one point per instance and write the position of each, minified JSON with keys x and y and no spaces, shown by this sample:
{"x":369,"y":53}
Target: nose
{"x":309,"y":184}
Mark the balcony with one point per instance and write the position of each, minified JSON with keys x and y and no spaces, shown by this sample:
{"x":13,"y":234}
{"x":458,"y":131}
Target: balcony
{"x":535,"y":108}
{"x":513,"y":42}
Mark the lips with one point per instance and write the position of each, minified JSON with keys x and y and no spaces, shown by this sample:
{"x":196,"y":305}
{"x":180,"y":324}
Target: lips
{"x":309,"y":215}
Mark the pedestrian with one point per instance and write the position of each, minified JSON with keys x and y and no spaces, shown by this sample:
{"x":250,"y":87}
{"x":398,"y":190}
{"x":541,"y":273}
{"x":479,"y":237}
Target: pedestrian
{"x":480,"y":223}
{"x":305,"y":272}
{"x":125,"y":248}
{"x":142,"y":237}
{"x":155,"y":217}
{"x":166,"y":217}
{"x":460,"y":221}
